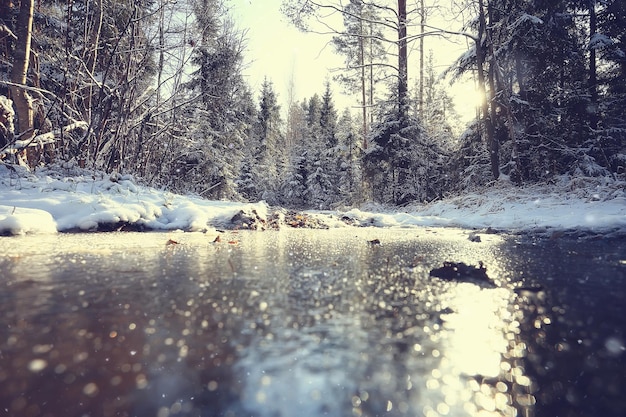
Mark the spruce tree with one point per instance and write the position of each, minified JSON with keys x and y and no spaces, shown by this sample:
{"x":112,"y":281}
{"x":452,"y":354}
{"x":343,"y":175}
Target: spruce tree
{"x":270,"y":160}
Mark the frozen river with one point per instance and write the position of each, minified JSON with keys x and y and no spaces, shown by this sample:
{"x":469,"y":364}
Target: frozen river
{"x":302,"y":323}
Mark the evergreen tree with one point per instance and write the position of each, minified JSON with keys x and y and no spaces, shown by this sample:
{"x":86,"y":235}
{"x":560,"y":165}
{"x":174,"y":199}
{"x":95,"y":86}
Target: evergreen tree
{"x":530,"y":60}
{"x":293,"y":190}
{"x":270,"y":160}
{"x":324,"y":152}
{"x":439,"y":118}
{"x":610,"y":43}
{"x":317,"y":180}
{"x":209,"y":162}
{"x":328,"y":118}
{"x":403,"y":164}
{"x":313,"y":108}
{"x":349,"y":189}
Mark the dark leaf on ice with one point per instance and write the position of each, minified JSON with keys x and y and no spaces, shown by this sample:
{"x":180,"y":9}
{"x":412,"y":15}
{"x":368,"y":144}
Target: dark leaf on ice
{"x":453,"y":271}
{"x":171,"y":242}
{"x":529,"y":289}
{"x":473,"y":237}
{"x":374,"y":242}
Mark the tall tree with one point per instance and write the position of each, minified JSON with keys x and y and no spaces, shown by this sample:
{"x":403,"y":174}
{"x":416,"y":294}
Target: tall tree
{"x":210,"y":159}
{"x":392,"y":21}
{"x":271,"y":154}
{"x":398,"y":131}
{"x":539,"y":67}
{"x":403,"y":64}
{"x":362,"y":46}
{"x":350,"y":185}
{"x":19,"y":91}
{"x":328,"y":118}
{"x":439,"y":118}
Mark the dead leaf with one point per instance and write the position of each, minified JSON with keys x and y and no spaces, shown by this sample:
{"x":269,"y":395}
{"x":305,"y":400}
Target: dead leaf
{"x":171,"y":242}
{"x":217,"y":239}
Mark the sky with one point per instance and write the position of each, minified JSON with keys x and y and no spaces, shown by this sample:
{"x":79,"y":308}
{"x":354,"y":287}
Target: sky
{"x":282,"y":53}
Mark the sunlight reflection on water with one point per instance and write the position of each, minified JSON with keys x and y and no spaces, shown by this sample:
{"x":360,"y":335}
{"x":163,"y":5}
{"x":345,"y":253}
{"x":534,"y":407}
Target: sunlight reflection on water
{"x":475,"y":340}
{"x":297,"y":323}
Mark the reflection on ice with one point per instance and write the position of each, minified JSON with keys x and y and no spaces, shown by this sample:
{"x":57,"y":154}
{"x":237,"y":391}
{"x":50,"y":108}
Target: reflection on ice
{"x":476,"y":329}
{"x":301,"y":373}
{"x":383,"y":340}
{"x":476,"y":336}
{"x":281,"y":324}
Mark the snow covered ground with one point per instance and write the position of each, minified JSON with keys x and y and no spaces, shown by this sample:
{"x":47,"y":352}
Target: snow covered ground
{"x":60,"y":200}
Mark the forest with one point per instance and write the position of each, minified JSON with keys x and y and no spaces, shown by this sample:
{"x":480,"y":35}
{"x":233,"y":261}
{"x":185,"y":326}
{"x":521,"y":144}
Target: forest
{"x":154,"y":88}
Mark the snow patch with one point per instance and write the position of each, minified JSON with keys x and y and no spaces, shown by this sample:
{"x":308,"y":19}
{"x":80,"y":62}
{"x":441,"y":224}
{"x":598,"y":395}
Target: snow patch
{"x":48,"y":201}
{"x":21,"y":221}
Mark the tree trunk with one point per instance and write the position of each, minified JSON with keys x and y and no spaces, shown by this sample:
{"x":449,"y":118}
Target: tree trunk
{"x":371,"y":64}
{"x":421,"y":93}
{"x":92,"y":57}
{"x":491,"y":142}
{"x":362,"y":65}
{"x":402,"y":63}
{"x":593,"y":76}
{"x":21,"y":98}
{"x":494,"y":85}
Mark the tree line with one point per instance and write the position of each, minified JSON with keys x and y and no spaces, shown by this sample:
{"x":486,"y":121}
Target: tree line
{"x":155,"y":88}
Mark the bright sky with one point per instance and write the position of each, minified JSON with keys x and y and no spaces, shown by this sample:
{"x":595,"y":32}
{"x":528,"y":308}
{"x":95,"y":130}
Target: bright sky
{"x":280,"y":52}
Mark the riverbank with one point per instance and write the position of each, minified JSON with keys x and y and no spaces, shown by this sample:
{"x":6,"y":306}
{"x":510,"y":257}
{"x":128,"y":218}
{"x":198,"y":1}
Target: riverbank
{"x":56,"y":200}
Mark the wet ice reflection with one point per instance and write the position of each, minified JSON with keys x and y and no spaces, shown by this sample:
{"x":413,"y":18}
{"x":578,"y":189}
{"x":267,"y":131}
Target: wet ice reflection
{"x":296,"y":323}
{"x":308,"y":375}
{"x":477,"y":335}
{"x":476,"y":329}
{"x":402,"y":345}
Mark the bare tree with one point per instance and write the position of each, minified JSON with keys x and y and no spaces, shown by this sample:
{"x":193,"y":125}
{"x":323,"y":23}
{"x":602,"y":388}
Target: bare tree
{"x":21,"y":97}
{"x":391,"y":19}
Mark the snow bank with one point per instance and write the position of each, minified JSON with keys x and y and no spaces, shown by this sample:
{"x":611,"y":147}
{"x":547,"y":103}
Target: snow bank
{"x":19,"y":220}
{"x":51,"y":200}
{"x":591,"y":204}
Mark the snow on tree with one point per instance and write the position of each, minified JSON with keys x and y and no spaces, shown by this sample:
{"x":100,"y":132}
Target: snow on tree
{"x":350,"y":186}
{"x":209,"y":161}
{"x":7,"y":115}
{"x":269,"y":158}
{"x":403,"y":164}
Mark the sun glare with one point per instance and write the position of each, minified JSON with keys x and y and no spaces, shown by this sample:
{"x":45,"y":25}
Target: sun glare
{"x":467,"y":99}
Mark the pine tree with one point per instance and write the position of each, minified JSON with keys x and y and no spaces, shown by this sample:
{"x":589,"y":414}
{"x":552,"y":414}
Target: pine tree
{"x":540,"y":114}
{"x":350,"y":189}
{"x":317,"y":180}
{"x":328,"y":118}
{"x":440,"y":117}
{"x":271,"y":152}
{"x":293,"y":188}
{"x":210,"y":161}
{"x":610,"y":43}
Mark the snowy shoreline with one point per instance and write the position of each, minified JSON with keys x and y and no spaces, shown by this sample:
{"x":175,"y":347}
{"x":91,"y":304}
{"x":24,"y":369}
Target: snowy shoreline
{"x":53,"y":201}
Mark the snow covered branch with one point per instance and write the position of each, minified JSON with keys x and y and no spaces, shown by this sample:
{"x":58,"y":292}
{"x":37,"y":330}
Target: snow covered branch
{"x":42,"y":139}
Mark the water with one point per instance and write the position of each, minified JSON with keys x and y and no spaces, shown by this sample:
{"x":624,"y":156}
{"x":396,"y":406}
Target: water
{"x":310,"y":323}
